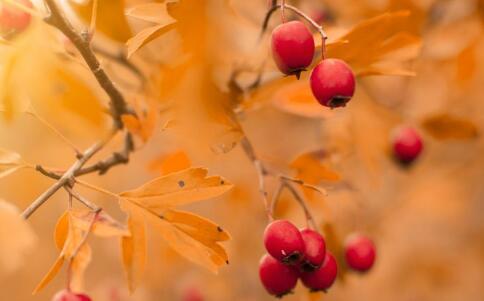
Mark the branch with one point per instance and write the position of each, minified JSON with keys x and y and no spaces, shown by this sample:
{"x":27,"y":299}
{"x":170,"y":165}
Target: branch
{"x":81,"y":199}
{"x":68,"y":177}
{"x":118,"y":104}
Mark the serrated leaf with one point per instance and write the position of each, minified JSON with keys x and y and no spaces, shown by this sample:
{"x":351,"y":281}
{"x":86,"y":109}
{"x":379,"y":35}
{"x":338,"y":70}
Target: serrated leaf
{"x":196,"y":226}
{"x":180,"y":188}
{"x":9,"y":162}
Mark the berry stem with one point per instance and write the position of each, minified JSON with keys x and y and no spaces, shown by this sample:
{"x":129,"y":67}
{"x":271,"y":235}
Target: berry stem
{"x":313,"y":23}
{"x":283,"y":15}
{"x":297,"y":196}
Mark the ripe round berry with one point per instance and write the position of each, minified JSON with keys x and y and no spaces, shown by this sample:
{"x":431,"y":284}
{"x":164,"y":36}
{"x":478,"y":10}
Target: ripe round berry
{"x":192,"y":294}
{"x":315,"y":250}
{"x":13,"y":19}
{"x":277,"y":278}
{"x":332,"y":83}
{"x":292,"y":47}
{"x":66,"y":295}
{"x":407,"y":145}
{"x":322,"y":278}
{"x":284,"y":241}
{"x":360,"y":253}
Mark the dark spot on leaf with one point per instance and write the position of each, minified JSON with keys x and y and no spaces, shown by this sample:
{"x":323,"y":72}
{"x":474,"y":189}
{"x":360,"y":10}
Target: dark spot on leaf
{"x":222,"y":182}
{"x":227,"y":262}
{"x":219,"y":229}
{"x":181,"y":183}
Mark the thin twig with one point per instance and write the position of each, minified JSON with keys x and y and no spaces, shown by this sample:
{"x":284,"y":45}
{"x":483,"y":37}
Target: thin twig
{"x":261,"y":173}
{"x":82,"y":199}
{"x":302,"y":202}
{"x":86,"y":235}
{"x":96,"y":188}
{"x":121,"y":59}
{"x":55,"y":131}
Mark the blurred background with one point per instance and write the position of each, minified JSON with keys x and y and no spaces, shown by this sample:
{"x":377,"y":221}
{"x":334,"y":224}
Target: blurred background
{"x":426,"y":219}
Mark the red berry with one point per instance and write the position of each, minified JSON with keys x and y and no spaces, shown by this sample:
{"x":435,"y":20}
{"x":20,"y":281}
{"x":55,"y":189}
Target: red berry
{"x":315,"y":250}
{"x":284,"y":241}
{"x":360,"y":253}
{"x":192,"y":294}
{"x":66,"y":295}
{"x":333,"y":83}
{"x":277,"y":278}
{"x":13,"y":19}
{"x":292,"y":47}
{"x":322,"y":278}
{"x":407,"y":144}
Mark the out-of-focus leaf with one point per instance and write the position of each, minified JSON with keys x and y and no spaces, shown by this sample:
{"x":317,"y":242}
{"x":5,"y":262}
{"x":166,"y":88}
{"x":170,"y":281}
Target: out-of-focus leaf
{"x":151,"y":12}
{"x":110,"y":19}
{"x":448,"y":127}
{"x":9,"y":162}
{"x":144,"y":123}
{"x":16,"y":238}
{"x":168,"y":163}
{"x":296,"y":98}
{"x":180,"y":188}
{"x":310,"y":169}
{"x":378,"y":45}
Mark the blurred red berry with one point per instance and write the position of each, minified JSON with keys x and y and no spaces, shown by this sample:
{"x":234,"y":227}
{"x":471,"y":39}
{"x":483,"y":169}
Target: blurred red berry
{"x":12,"y":18}
{"x":323,"y":278}
{"x":284,"y":241}
{"x":360,"y":253}
{"x":407,"y":144}
{"x":315,"y":250}
{"x":277,"y":278}
{"x":332,"y":83}
{"x":292,"y":47}
{"x":66,"y":295}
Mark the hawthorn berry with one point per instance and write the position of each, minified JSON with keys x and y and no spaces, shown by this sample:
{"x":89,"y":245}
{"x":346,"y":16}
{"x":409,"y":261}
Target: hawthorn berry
{"x":12,"y":18}
{"x":407,"y":145}
{"x":292,"y":47}
{"x":284,"y":241}
{"x":360,"y":253}
{"x":332,"y":83}
{"x":315,"y":250}
{"x":278,"y":279}
{"x":322,"y":278}
{"x":66,"y":295}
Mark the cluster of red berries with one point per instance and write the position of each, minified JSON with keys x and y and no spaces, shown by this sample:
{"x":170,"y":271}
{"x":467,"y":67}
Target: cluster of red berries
{"x":332,"y":80}
{"x":293,"y":255}
{"x":301,"y":254}
{"x":407,"y":145}
{"x":13,"y":19}
{"x":67,"y":295}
